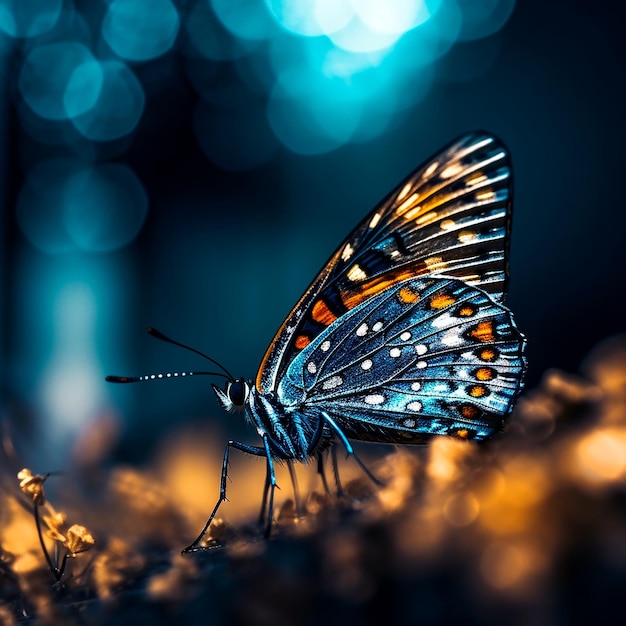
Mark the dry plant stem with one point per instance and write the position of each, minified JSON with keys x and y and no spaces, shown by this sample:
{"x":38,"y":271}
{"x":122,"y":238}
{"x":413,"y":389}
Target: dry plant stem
{"x":55,"y":572}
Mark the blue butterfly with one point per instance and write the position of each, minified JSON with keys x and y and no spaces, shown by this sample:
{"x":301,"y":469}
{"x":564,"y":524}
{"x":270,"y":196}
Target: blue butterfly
{"x":403,"y":334}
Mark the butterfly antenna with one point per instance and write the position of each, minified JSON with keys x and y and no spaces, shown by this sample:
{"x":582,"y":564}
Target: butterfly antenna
{"x":141,"y":379}
{"x":159,"y":335}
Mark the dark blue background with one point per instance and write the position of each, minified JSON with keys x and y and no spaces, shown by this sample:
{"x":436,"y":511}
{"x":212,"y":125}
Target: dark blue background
{"x":224,"y":255}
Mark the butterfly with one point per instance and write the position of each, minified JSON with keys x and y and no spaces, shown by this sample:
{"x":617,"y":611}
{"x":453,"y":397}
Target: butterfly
{"x":403,"y":335}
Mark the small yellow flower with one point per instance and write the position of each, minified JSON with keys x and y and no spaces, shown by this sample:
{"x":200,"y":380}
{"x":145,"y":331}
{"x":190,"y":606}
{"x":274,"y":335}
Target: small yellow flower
{"x":32,"y":485}
{"x":56,"y":525}
{"x":79,"y":539}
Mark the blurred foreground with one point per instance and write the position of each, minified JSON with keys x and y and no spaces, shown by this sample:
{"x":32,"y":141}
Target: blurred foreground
{"x":528,"y":528}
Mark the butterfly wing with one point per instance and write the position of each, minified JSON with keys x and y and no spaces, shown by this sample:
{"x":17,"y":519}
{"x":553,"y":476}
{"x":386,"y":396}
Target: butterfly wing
{"x":451,"y":216}
{"x":427,"y":356}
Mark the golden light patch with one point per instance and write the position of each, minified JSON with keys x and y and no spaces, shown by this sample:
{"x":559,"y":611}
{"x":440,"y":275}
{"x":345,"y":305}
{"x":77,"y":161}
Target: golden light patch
{"x":407,"y":295}
{"x":441,"y":301}
{"x":477,"y":391}
{"x":485,"y":373}
{"x":302,"y":341}
{"x":483,"y":332}
{"x":447,"y":224}
{"x":488,"y":354}
{"x":485,"y":196}
{"x":463,"y":433}
{"x":322,"y":314}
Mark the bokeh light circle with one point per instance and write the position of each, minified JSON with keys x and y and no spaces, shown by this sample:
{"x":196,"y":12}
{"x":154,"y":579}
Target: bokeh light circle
{"x":66,"y":205}
{"x":247,"y":19}
{"x":104,"y":207}
{"x":139,"y":30}
{"x":29,"y":18}
{"x":482,"y":18}
{"x":119,"y":106}
{"x":311,"y":18}
{"x":46,"y":74}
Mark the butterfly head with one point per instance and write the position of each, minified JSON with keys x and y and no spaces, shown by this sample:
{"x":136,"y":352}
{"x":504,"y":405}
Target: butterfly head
{"x":234,"y":396}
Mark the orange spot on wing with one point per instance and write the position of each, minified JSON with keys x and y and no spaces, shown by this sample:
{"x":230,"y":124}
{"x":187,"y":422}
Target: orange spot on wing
{"x":469,"y":411}
{"x":478,"y":391}
{"x":407,"y":295}
{"x":302,"y":341}
{"x":483,"y":332}
{"x":485,"y":373}
{"x":467,"y":311}
{"x":463,"y":433}
{"x":322,"y":314}
{"x":441,"y":301}
{"x":488,"y":354}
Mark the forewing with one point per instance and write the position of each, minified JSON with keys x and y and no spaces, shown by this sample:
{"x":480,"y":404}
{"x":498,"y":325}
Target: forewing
{"x":451,"y":216}
{"x":428,"y":356}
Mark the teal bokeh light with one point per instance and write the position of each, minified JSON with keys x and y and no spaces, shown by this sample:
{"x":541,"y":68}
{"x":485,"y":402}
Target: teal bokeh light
{"x":140,"y":30}
{"x":65,"y":205}
{"x":83,"y":88}
{"x":104,"y":207}
{"x":46,"y":74}
{"x":247,"y":19}
{"x":118,"y":108}
{"x":29,"y":18}
{"x":482,"y":18}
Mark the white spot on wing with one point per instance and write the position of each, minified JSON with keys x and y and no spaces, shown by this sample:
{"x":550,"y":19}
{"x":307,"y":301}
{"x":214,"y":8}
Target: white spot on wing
{"x":377,"y":326}
{"x":443,"y":320}
{"x":394,"y":353}
{"x":405,"y":336}
{"x":347,"y":252}
{"x":311,"y":367}
{"x":420,"y":348}
{"x":367,"y":364}
{"x":374,"y":398}
{"x":451,"y":338}
{"x":332,"y":382}
{"x":409,"y":422}
{"x":361,"y":331}
{"x":325,"y":346}
{"x":355,"y":273}
{"x":416,"y":406}
{"x":416,"y":386}
{"x":421,"y":365}
{"x":374,"y":220}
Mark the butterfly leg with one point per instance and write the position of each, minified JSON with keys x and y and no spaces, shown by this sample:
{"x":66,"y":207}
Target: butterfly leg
{"x":321,"y":471}
{"x":294,"y":482}
{"x":349,"y":449}
{"x":195,"y":545}
{"x":333,"y":455}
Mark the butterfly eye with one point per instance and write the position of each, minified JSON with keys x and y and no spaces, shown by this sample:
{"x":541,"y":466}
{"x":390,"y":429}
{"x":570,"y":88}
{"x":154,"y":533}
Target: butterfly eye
{"x":238,"y":392}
